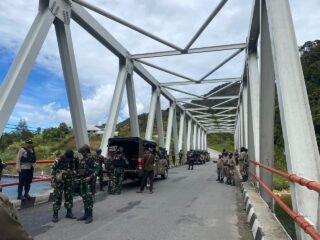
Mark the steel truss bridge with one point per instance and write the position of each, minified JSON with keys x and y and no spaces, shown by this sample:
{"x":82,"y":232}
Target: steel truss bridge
{"x":271,"y":64}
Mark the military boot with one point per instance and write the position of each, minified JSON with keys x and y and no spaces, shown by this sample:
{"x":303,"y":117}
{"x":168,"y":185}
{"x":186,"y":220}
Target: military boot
{"x":70,"y":214}
{"x":84,"y":217}
{"x":55,"y":217}
{"x":89,"y":217}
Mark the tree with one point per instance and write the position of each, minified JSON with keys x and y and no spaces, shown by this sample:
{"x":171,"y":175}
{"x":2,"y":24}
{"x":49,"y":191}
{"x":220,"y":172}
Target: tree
{"x":22,"y":130}
{"x":63,"y":127}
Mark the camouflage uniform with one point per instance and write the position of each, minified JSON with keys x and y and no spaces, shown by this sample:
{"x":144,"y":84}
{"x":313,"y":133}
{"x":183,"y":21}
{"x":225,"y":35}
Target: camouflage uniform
{"x":110,"y":170}
{"x":62,"y":177}
{"x":119,"y":162}
{"x":87,"y":170}
{"x":100,"y":161}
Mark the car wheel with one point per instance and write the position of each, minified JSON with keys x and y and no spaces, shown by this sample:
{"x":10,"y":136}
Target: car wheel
{"x":165,"y":174}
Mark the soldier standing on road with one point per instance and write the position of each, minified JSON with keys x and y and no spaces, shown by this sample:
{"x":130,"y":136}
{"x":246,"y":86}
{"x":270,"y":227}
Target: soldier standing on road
{"x":148,"y":170}
{"x":231,"y":166}
{"x":180,"y":156}
{"x":62,"y":177}
{"x":101,"y":162}
{"x":110,"y":171}
{"x":25,"y":164}
{"x":119,"y":162}
{"x":219,"y":167}
{"x":191,"y":160}
{"x":87,"y":170}
{"x":236,"y":157}
{"x":225,"y":166}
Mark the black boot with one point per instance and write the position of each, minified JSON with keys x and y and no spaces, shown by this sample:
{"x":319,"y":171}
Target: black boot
{"x":84,"y":217}
{"x":218,"y":179}
{"x":89,"y":217}
{"x":20,"y":197}
{"x":70,"y":214}
{"x":55,"y":217}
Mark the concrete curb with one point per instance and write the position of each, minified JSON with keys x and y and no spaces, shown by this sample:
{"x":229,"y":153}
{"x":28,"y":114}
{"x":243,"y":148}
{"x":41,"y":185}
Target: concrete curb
{"x":263,"y":223}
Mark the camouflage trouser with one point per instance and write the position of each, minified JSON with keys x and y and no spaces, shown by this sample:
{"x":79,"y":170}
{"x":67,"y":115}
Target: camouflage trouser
{"x":93,"y":185}
{"x":63,"y":187}
{"x":86,"y":194}
{"x":118,"y":177}
{"x":231,"y":174}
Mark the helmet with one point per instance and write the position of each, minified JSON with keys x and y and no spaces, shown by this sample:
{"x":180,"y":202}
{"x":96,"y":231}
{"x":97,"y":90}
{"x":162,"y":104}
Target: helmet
{"x":85,"y":148}
{"x":68,"y":153}
{"x":98,"y":150}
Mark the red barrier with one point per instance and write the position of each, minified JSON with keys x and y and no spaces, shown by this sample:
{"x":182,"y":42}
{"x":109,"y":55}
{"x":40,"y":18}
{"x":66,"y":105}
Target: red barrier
{"x":38,"y":162}
{"x":16,"y":183}
{"x":307,"y":227}
{"x":313,"y":185}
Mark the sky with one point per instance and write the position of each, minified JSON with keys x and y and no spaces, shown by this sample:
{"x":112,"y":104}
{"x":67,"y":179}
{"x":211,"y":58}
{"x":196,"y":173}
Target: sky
{"x":43,"y":102}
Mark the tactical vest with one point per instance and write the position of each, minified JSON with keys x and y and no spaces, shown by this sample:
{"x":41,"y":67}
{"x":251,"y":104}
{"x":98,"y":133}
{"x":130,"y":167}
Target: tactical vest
{"x":31,"y":156}
{"x":86,"y":167}
{"x":119,"y":161}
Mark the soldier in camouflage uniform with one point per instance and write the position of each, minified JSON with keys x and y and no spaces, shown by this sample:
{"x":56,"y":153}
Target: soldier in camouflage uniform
{"x":101,"y":162}
{"x":119,"y":162}
{"x":110,"y":171}
{"x":87,"y":170}
{"x":62,"y":176}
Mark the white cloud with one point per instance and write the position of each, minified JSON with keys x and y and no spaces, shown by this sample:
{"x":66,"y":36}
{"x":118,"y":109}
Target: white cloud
{"x":173,"y":20}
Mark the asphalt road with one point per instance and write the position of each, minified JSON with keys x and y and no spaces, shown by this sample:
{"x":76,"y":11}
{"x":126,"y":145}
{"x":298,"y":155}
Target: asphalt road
{"x":188,"y":205}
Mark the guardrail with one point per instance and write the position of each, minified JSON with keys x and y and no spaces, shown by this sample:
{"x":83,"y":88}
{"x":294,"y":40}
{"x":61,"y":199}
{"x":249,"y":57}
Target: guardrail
{"x":312,"y":185}
{"x":34,"y":180}
{"x":16,"y":183}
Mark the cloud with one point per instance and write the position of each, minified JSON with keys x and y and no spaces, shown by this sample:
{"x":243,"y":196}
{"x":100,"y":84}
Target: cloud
{"x":173,"y":20}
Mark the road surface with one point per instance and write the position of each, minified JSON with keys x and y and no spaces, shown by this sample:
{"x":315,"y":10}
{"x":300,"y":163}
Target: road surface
{"x":188,"y":205}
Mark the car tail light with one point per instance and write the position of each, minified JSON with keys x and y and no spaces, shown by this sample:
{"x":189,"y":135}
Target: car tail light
{"x":140,"y":164}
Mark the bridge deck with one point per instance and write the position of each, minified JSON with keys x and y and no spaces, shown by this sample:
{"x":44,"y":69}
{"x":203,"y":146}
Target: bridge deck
{"x":188,"y":205}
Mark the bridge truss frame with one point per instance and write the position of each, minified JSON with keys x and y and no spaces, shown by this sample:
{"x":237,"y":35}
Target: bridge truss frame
{"x":253,"y":122}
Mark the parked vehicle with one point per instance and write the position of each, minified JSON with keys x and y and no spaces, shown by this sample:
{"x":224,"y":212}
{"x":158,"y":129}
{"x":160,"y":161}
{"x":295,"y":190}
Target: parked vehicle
{"x":133,"y":149}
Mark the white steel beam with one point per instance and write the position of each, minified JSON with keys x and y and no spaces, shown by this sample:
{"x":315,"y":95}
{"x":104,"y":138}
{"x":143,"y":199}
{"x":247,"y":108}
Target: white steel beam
{"x":181,"y":129}
{"x":175,"y":136}
{"x":221,"y":64}
{"x":206,"y":23}
{"x":189,"y":134}
{"x":165,"y":70}
{"x":190,"y":51}
{"x":125,"y":23}
{"x":69,"y":67}
{"x":19,"y":70}
{"x":207,"y":98}
{"x":267,"y":109}
{"x":152,"y":113}
{"x":217,"y":80}
{"x":298,"y":131}
{"x":159,"y":123}
{"x":134,"y":123}
{"x":169,"y":126}
{"x":115,"y":107}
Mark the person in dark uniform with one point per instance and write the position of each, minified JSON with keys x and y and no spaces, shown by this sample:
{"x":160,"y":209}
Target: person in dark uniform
{"x":191,"y":160}
{"x":119,"y":163}
{"x":25,"y":164}
{"x":148,"y":170}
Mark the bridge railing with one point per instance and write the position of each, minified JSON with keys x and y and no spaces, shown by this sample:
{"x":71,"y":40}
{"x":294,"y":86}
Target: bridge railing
{"x":34,"y":180}
{"x":312,"y":185}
